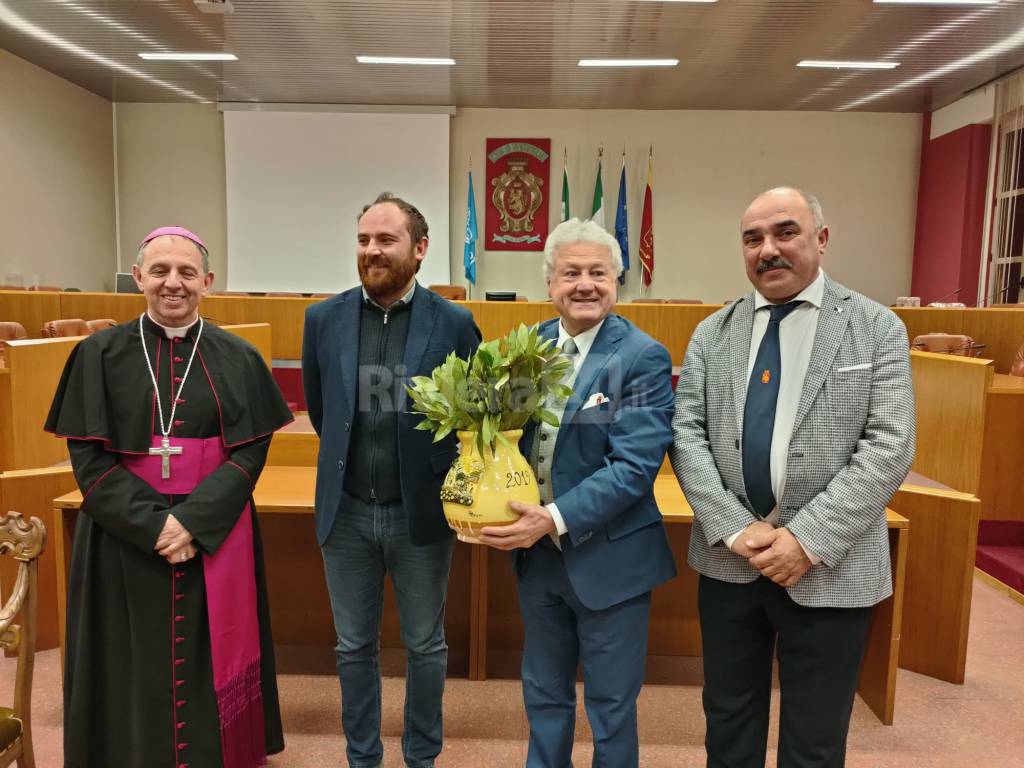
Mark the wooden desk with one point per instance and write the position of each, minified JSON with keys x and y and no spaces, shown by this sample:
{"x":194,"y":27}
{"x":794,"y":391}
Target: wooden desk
{"x":32,"y":309}
{"x":949,"y":397}
{"x":28,"y":382}
{"x":940,"y":577}
{"x":922,"y":320}
{"x":936,"y":613}
{"x":1000,"y":486}
{"x":1001,"y":329}
{"x":300,"y":607}
{"x":482,"y":618}
{"x":671,"y":324}
{"x":26,"y":390}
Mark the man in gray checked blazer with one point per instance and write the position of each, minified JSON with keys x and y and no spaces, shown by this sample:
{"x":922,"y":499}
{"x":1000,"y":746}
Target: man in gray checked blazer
{"x":794,"y":426}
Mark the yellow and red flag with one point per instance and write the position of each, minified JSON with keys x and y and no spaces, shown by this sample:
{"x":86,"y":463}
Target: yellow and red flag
{"x":647,"y":227}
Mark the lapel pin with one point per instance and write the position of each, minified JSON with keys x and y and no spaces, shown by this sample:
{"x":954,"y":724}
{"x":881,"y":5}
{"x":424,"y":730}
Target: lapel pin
{"x":839,"y":310}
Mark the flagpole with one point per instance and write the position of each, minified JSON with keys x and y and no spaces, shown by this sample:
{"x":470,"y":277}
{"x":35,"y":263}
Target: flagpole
{"x":565,"y":183}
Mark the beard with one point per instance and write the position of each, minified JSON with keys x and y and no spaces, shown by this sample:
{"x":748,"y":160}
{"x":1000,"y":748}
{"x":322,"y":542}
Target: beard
{"x":386,"y":283}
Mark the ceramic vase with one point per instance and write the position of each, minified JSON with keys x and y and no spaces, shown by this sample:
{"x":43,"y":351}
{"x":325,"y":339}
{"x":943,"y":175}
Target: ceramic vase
{"x":477,"y":489}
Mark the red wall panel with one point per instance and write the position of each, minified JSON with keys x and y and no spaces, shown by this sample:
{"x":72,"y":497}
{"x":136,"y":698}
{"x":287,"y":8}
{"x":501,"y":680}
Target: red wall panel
{"x":950,"y":214}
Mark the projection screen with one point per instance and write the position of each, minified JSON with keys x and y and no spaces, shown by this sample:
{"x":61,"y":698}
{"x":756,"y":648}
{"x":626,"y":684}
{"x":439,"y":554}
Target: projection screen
{"x":296,"y":182}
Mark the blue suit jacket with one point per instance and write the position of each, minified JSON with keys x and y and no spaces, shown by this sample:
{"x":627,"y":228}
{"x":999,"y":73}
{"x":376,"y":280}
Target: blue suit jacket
{"x":605,"y":462}
{"x":330,"y":362}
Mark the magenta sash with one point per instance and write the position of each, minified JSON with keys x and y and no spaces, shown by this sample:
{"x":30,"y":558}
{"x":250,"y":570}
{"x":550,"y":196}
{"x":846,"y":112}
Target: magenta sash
{"x":230,"y":576}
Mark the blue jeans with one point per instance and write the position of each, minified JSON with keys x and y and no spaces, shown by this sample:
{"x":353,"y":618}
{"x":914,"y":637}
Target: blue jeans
{"x":367,"y":541}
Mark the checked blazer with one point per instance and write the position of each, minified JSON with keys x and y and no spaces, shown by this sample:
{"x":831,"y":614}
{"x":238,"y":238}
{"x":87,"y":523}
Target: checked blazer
{"x":852,"y":445}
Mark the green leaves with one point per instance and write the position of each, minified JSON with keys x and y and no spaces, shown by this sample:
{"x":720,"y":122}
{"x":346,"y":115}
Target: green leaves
{"x":501,"y":386}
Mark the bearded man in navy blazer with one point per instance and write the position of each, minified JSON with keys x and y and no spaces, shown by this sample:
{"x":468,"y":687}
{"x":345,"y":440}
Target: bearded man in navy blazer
{"x":378,"y":507}
{"x":587,"y":558}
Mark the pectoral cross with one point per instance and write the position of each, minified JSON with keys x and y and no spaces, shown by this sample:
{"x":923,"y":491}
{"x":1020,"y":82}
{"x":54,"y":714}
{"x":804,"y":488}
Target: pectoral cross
{"x":165,"y":451}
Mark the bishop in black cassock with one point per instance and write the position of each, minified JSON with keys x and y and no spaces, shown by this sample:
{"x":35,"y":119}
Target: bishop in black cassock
{"x":139,"y":674}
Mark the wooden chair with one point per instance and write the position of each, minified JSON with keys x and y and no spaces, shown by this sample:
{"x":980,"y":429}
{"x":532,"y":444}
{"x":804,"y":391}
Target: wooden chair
{"x":450,"y":292}
{"x":45,"y":288}
{"x":947,"y":344}
{"x":25,"y":541}
{"x":649,"y":301}
{"x":12,"y":287}
{"x":100,"y":325}
{"x":55,"y":329}
{"x":684,"y":301}
{"x":9,"y":331}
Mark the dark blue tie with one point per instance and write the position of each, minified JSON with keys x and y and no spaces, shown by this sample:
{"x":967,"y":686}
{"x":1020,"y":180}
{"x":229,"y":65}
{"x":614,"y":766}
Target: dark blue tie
{"x":759,"y":414}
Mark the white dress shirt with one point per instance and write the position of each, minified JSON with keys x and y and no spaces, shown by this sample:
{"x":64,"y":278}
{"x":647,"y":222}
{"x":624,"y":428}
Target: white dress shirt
{"x":584,"y":341}
{"x":796,"y":340}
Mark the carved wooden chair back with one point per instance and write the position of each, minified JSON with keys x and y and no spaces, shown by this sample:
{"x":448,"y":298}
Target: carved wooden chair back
{"x":24,"y":540}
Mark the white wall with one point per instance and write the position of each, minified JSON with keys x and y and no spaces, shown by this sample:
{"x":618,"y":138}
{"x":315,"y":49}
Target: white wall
{"x":57,"y":179}
{"x":976,"y":107}
{"x":170,"y":168}
{"x":708,"y":166}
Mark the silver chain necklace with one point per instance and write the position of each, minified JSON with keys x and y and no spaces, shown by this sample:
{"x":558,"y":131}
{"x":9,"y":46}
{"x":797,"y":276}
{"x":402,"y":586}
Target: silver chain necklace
{"x":165,"y":451}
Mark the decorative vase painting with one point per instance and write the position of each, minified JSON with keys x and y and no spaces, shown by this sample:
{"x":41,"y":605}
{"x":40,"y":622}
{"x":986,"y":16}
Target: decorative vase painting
{"x":487,"y":400}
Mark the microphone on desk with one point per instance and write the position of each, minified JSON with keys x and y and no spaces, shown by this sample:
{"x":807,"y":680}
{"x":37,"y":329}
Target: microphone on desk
{"x":1000,"y":294}
{"x":946,"y":296}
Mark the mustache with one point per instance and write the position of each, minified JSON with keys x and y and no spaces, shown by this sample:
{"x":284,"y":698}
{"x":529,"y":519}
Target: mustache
{"x":778,"y":262}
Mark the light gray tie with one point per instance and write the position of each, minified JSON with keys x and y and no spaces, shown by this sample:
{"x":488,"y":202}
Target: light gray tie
{"x":544,"y":441}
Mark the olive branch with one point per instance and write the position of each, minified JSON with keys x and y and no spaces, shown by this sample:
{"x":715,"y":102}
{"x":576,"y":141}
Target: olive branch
{"x":501,"y":386}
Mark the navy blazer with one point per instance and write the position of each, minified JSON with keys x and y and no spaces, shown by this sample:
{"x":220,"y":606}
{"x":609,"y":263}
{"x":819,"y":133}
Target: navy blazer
{"x":606,"y":459}
{"x":330,"y":362}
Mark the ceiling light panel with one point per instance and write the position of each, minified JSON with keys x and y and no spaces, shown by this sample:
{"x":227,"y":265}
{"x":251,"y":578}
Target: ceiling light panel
{"x":936,"y":2}
{"x":736,"y":53}
{"x":628,"y":62}
{"x":188,"y":56}
{"x":418,"y":60}
{"x":827,"y":64}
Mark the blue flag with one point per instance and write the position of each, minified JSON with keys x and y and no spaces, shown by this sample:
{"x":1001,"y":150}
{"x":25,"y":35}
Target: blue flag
{"x":621,"y":223}
{"x":469,"y":251}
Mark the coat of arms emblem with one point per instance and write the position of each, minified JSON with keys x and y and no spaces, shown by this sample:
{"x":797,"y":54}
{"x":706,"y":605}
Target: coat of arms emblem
{"x":517,"y":173}
{"x":517,"y":196}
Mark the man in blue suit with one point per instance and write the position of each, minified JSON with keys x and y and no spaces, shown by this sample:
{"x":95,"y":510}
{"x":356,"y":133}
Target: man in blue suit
{"x":589,"y":556}
{"x":378,"y":507}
